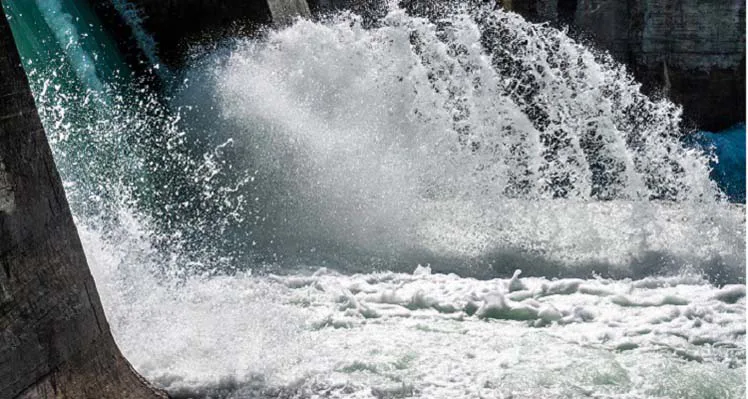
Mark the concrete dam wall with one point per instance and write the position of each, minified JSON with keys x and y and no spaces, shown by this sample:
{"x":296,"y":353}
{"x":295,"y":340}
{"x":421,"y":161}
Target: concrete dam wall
{"x":55,"y":340}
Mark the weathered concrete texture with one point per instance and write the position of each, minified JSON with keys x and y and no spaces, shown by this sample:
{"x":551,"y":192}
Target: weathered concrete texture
{"x":177,"y":24}
{"x":691,"y":50}
{"x":361,"y":7}
{"x":284,"y":11}
{"x":54,"y":338}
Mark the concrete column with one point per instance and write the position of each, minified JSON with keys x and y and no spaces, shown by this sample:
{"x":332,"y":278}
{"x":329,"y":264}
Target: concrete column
{"x":54,"y":338}
{"x":284,"y":11}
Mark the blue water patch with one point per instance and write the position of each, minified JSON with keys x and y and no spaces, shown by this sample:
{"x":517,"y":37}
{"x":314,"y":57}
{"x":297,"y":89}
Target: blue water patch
{"x":728,"y":168}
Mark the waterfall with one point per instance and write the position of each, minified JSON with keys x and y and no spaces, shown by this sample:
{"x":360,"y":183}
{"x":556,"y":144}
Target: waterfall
{"x":117,"y":145}
{"x":477,"y":143}
{"x":479,"y":137}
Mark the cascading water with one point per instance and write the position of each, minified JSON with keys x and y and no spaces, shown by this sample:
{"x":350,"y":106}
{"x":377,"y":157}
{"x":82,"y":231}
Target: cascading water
{"x":465,"y":142}
{"x":477,"y":144}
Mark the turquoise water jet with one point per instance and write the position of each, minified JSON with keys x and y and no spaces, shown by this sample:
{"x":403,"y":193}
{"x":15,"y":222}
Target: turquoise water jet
{"x":728,"y":165}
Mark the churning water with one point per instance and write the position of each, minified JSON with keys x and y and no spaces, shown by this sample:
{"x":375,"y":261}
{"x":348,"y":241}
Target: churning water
{"x":469,"y":141}
{"x":462,"y":148}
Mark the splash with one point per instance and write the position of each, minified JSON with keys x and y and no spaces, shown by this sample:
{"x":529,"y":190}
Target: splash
{"x":119,"y":148}
{"x":477,"y":143}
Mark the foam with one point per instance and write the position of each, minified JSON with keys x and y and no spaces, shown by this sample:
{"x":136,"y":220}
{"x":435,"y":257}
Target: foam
{"x":731,"y":293}
{"x":323,"y":333}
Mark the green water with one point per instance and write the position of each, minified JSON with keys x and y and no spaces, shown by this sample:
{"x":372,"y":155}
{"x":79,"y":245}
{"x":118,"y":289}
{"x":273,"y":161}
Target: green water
{"x":66,"y":37}
{"x":119,"y":146}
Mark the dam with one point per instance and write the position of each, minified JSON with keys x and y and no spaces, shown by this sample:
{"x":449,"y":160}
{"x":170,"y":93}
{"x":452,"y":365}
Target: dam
{"x":438,"y":201}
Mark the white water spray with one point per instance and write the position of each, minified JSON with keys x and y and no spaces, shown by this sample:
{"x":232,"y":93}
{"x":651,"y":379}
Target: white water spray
{"x":480,"y":137}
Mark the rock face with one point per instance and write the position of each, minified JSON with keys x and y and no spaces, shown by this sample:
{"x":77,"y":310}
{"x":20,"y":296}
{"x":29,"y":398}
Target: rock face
{"x":54,"y":338}
{"x":690,"y":50}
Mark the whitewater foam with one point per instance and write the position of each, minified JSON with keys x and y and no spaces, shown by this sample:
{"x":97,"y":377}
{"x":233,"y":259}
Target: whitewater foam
{"x":421,"y":335}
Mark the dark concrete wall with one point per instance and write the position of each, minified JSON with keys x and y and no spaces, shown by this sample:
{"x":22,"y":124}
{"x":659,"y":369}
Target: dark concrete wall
{"x":361,"y":7}
{"x":177,"y":24}
{"x":691,"y":50}
{"x":54,"y":338}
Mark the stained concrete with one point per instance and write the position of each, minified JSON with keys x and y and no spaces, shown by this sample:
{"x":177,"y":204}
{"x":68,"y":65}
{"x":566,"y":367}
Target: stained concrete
{"x":692,"y":51}
{"x":55,"y":341}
